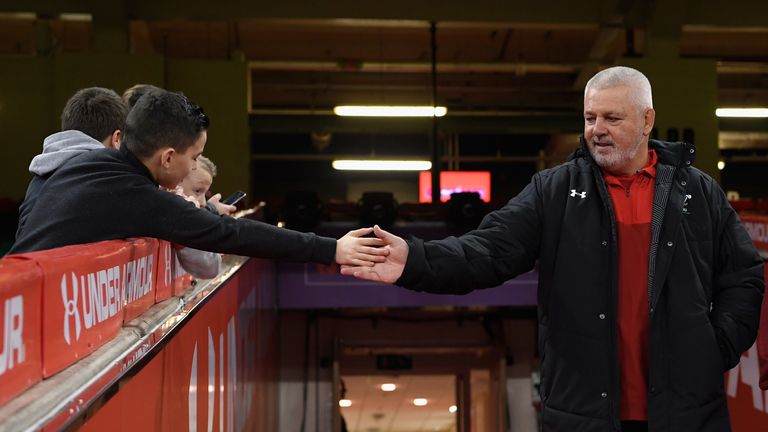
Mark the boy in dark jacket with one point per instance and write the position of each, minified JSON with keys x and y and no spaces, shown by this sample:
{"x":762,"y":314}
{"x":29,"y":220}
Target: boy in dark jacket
{"x":110,"y":194}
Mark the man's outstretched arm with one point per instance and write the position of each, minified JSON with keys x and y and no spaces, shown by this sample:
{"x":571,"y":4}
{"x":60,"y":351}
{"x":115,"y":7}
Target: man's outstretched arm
{"x":505,"y":245}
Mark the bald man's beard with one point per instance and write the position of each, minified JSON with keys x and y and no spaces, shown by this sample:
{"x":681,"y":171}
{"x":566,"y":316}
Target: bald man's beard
{"x":616,"y":158}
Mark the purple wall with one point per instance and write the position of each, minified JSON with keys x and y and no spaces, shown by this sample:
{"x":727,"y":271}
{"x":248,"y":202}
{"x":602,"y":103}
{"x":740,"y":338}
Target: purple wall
{"x":307,"y":286}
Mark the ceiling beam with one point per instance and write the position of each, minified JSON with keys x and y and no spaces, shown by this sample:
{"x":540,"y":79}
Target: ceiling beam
{"x":524,"y":123}
{"x":518,"y":68}
{"x":665,"y":27}
{"x":735,"y":13}
{"x":561,"y":11}
{"x":598,"y":54}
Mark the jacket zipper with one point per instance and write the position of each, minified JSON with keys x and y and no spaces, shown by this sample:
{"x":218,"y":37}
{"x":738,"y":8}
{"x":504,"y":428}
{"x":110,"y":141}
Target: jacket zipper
{"x":613,"y":294}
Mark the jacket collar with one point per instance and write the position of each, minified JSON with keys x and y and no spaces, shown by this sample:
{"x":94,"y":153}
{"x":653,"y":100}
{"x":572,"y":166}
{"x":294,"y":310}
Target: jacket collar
{"x":677,"y":154}
{"x":136,"y":163}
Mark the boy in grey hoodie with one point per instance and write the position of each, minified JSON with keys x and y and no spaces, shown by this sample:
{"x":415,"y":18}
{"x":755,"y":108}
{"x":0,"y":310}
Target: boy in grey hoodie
{"x":93,"y":118}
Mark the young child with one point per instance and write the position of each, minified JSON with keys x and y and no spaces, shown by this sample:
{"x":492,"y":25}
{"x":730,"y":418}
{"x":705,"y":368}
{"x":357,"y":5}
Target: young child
{"x":198,"y":183}
{"x":194,"y":188}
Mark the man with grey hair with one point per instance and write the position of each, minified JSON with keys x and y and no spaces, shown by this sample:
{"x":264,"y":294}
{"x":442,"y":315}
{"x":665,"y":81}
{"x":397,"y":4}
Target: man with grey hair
{"x":649,"y":286}
{"x":608,"y":86}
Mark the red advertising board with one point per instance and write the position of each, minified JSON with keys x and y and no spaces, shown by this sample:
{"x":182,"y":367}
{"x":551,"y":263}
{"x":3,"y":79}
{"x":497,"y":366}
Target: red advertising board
{"x":164,"y":271}
{"x":748,"y":404}
{"x":762,"y":341}
{"x":213,"y":373}
{"x":21,"y":284}
{"x":82,"y":299}
{"x":137,"y":406}
{"x":139,"y":286}
{"x":757,"y":227}
{"x":455,"y":181}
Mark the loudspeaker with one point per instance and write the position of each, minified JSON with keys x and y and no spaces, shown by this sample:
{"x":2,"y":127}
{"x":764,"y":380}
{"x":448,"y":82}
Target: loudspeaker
{"x":465,"y":210}
{"x":302,"y":210}
{"x":377,"y":208}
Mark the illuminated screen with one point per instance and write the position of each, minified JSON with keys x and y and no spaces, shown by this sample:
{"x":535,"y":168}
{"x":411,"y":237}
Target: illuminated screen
{"x":455,"y":181}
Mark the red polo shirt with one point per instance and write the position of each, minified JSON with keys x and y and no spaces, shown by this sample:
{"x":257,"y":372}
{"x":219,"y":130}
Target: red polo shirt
{"x":632,"y":198}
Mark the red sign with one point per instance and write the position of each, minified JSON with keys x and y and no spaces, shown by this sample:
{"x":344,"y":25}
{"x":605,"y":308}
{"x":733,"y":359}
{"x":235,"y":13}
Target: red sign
{"x":757,"y":227}
{"x":139,"y":286}
{"x":218,"y":372}
{"x":747,"y":403}
{"x":762,"y":340}
{"x":83,"y":289}
{"x":455,"y":181}
{"x":164,"y":271}
{"x":21,"y":284}
{"x":137,"y":406}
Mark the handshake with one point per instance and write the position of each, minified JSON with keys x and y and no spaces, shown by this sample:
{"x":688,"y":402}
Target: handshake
{"x":380,"y":259}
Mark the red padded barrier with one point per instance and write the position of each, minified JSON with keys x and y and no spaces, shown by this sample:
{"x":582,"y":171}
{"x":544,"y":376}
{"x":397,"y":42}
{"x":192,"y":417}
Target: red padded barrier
{"x":762,"y":343}
{"x":139,"y":292}
{"x":742,"y":204}
{"x":164,"y":271}
{"x":757,"y":227}
{"x":82,"y":299}
{"x":21,"y":285}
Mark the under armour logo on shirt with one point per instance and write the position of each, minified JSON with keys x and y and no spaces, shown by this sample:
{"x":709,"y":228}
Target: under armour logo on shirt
{"x":579,"y":194}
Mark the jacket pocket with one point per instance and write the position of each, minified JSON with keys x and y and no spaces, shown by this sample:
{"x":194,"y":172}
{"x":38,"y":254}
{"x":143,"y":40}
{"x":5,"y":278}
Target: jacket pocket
{"x":554,"y":420}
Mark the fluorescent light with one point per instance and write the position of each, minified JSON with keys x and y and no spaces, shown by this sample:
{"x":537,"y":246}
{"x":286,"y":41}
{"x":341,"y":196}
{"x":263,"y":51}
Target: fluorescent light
{"x":79,"y":17}
{"x":420,"y":402}
{"x":452,"y":409}
{"x":742,"y":112}
{"x":388,"y":387}
{"x":345,"y":403}
{"x":18,"y":15}
{"x":720,"y":165}
{"x":389,"y":111}
{"x":381,"y":165}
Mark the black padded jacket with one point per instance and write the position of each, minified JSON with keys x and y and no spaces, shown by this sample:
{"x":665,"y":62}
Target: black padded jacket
{"x":705,"y":286}
{"x":109,"y":194}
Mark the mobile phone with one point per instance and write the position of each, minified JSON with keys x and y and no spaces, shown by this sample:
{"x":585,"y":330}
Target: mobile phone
{"x":234,"y":198}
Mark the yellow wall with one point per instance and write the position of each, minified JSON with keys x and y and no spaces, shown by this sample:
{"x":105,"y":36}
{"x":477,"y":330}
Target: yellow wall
{"x":220,"y":87}
{"x":33,"y":91}
{"x":26,"y":117}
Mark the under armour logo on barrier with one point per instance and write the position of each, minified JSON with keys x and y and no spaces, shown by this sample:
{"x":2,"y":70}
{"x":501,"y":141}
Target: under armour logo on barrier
{"x":579,"y":194}
{"x":70,"y":308}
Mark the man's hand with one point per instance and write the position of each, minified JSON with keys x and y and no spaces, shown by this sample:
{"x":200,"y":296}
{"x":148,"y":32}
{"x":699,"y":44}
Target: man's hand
{"x":222,"y":208}
{"x":354,"y":249}
{"x":388,"y":270}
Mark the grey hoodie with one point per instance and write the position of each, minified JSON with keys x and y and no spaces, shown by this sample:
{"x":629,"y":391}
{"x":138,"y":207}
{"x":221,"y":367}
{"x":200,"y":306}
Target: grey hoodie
{"x":59,"y":148}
